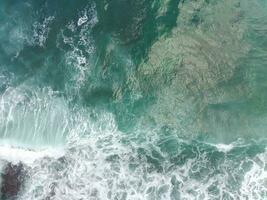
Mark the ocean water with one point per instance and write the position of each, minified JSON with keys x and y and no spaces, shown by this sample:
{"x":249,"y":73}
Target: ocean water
{"x":135,"y":99}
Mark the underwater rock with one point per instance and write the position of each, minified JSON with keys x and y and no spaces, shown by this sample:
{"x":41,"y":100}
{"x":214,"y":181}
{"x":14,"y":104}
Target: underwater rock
{"x":12,"y":179}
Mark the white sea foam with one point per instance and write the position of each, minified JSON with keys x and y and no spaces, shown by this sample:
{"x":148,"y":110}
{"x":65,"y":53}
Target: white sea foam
{"x":34,"y":117}
{"x":89,"y":16}
{"x":102,"y":163}
{"x":16,"y":155}
{"x":224,"y":147}
{"x":82,"y":47}
{"x":41,"y":31}
{"x":254,"y":185}
{"x":82,"y":20}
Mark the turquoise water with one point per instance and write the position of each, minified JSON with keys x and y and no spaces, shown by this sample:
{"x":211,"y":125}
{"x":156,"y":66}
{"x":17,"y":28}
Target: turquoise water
{"x":149,"y":99}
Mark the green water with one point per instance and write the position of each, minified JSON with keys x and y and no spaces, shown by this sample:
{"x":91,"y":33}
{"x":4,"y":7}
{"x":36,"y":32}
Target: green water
{"x":169,"y":93}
